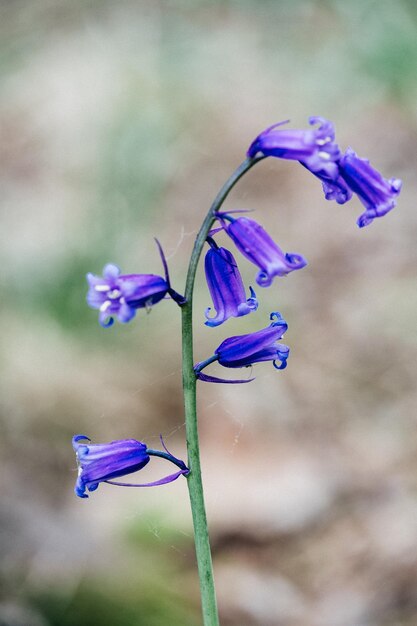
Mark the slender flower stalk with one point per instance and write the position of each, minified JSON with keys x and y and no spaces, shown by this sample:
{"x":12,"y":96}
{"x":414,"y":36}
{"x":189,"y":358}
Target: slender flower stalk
{"x":195,"y":485}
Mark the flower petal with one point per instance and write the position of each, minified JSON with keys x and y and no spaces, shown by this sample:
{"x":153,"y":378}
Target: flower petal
{"x":258,"y":247}
{"x":314,"y":147}
{"x":377,"y":194}
{"x":111,"y":272}
{"x":226,"y":287}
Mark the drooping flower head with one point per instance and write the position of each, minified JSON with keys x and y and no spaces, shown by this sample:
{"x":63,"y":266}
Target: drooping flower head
{"x":226,"y":286}
{"x":257,"y":246}
{"x":356,"y":175}
{"x":120,"y":295}
{"x":245,"y":350}
{"x":341,"y":174}
{"x":377,"y":194}
{"x":99,"y":463}
{"x":314,"y":147}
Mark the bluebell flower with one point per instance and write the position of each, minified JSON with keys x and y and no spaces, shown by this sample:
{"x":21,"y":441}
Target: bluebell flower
{"x":341,"y":174}
{"x":245,"y":350}
{"x":226,"y":286}
{"x":257,"y":246}
{"x":99,"y":463}
{"x":314,"y":147}
{"x":377,"y":194}
{"x":120,"y":295}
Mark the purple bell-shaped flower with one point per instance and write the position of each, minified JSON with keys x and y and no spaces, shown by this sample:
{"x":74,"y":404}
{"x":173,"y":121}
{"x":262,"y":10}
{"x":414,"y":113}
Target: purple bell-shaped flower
{"x":98,"y":463}
{"x":313,"y":147}
{"x":245,"y":350}
{"x":226,"y":286}
{"x":252,"y":240}
{"x":377,"y":194}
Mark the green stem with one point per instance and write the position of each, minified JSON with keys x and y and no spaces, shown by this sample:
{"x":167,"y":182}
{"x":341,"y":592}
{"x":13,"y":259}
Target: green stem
{"x":195,"y":485}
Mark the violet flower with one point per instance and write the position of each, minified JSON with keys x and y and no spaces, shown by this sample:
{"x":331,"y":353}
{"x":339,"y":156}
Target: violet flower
{"x":314,"y":147}
{"x":99,"y":463}
{"x":376,"y":193}
{"x":226,"y":286}
{"x":120,"y":295}
{"x":341,"y":175}
{"x":245,"y":350}
{"x":257,"y":246}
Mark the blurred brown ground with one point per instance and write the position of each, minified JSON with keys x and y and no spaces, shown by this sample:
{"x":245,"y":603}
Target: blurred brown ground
{"x":119,"y":122}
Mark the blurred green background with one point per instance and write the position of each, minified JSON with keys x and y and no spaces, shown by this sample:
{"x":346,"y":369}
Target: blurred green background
{"x":119,"y":122}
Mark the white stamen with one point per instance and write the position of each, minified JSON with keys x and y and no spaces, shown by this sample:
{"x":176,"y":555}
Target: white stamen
{"x":114,"y":294}
{"x":105,"y":306}
{"x":102,"y":287}
{"x":322,"y":142}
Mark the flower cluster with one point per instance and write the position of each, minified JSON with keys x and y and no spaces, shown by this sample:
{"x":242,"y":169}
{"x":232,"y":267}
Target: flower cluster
{"x":228,"y":293}
{"x":120,"y":295}
{"x":342,"y":175}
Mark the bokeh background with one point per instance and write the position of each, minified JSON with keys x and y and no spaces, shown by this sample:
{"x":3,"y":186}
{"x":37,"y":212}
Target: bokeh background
{"x":119,"y":122}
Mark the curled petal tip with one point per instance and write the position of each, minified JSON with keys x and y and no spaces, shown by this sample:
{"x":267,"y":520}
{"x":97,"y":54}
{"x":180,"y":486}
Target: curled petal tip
{"x":263,"y":279}
{"x":282,"y":364}
{"x":295,"y":261}
{"x":212,"y":322}
{"x":277,"y":319}
{"x":105,"y":321}
{"x":396,"y":184}
{"x":78,"y":438}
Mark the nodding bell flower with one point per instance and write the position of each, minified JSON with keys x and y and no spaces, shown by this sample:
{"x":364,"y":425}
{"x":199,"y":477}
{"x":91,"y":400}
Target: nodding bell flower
{"x":256,"y":245}
{"x":120,"y":295}
{"x":245,"y":350}
{"x":98,"y":463}
{"x":226,"y":286}
{"x":356,"y":175}
{"x":341,"y":174}
{"x":377,"y":194}
{"x":314,"y":147}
